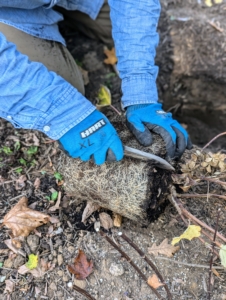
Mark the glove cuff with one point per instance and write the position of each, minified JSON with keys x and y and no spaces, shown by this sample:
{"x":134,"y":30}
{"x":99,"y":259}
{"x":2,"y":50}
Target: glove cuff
{"x":138,"y":106}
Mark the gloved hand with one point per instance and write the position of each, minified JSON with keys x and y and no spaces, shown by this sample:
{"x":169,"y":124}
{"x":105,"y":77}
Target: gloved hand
{"x":143,"y":118}
{"x":94,"y":138}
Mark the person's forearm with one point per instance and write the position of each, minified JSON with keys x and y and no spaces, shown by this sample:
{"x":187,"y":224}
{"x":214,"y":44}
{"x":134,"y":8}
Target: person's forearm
{"x":134,"y":28}
{"x":27,"y":4}
{"x":34,"y":98}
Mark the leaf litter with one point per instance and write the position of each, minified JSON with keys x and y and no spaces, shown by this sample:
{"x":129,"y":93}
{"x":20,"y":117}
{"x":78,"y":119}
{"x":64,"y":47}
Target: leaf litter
{"x":22,"y":220}
{"x":81,"y":267}
{"x":163,"y":248}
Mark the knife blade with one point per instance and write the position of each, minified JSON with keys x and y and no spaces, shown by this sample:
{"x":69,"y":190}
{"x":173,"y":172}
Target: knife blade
{"x":160,"y":162}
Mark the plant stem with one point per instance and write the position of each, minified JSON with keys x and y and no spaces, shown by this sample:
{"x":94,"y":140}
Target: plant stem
{"x":200,"y":196}
{"x":110,"y":241}
{"x":211,"y":259}
{"x":216,"y":137}
{"x":189,"y":215}
{"x":141,"y":253}
{"x":83,"y":292}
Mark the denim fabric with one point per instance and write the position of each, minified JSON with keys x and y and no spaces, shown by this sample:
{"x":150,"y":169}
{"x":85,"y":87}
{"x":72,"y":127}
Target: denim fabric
{"x":34,"y":98}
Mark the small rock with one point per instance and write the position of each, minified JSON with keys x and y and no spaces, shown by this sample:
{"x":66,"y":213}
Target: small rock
{"x":8,"y":263}
{"x":33,"y":242}
{"x":116,"y":269}
{"x":53,"y":286}
{"x":60,"y":259}
{"x":18,"y":261}
{"x":60,"y":273}
{"x":71,"y":249}
{"x":59,"y":295}
{"x":50,"y":257}
{"x":65,"y":278}
{"x":70,"y":284}
{"x":80,"y":283}
{"x":60,"y":249}
{"x":54,"y":253}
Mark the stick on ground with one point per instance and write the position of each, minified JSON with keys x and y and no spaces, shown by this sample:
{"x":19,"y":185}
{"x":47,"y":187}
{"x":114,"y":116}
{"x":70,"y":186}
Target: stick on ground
{"x":110,"y":241}
{"x":151,"y":264}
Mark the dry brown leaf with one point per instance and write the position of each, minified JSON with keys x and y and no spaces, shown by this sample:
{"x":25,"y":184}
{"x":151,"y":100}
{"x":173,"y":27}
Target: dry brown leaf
{"x":9,"y":286}
{"x":164,"y":248}
{"x":105,"y":220}
{"x":89,"y":209}
{"x":117,"y":220}
{"x":22,"y":220}
{"x":33,"y":205}
{"x":154,"y":282}
{"x":81,"y":267}
{"x":39,"y":271}
{"x":12,"y":247}
{"x":4,"y":251}
{"x":215,"y":272}
{"x":57,"y":205}
{"x":37,"y":183}
{"x":20,"y":182}
{"x":111,"y":57}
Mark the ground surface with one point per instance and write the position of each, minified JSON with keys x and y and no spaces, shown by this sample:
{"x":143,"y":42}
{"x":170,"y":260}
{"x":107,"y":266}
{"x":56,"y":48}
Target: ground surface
{"x":186,"y":281}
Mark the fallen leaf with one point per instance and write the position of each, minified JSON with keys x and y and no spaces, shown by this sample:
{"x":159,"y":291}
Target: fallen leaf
{"x":191,"y":232}
{"x":105,"y":220}
{"x":223,"y":255}
{"x":103,"y":97}
{"x":37,"y":233}
{"x":111,"y":57}
{"x":20,"y":182}
{"x":164,"y":248}
{"x":89,"y":209}
{"x":4,"y":251}
{"x":12,"y":247}
{"x":80,"y":283}
{"x":154,"y":282}
{"x":57,"y":205}
{"x":22,"y":220}
{"x":37,"y":291}
{"x":208,"y":3}
{"x":117,"y":220}
{"x":37,"y":183}
{"x":33,"y":205}
{"x":39,"y":271}
{"x":81,"y":267}
{"x":215,"y":272}
{"x":9,"y":286}
{"x":32,"y":261}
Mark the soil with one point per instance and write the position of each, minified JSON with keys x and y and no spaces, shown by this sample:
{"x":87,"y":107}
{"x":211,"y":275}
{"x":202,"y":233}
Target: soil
{"x":186,"y":274}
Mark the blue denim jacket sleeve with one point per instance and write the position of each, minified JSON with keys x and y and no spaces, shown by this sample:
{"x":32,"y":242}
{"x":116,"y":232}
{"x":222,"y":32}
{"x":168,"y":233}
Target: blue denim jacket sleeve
{"x":32,"y":97}
{"x":134,"y":29}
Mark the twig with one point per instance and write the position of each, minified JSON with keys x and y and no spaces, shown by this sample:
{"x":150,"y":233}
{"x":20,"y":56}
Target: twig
{"x":216,"y":137}
{"x":115,"y":109}
{"x":201,"y":196}
{"x":187,"y":264}
{"x":178,"y":205}
{"x":83,"y":292}
{"x":141,"y":253}
{"x":216,"y":26}
{"x":211,"y":259}
{"x":110,"y":241}
{"x":214,"y":180}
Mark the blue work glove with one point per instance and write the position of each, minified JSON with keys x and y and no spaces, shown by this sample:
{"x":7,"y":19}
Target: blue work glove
{"x":93,"y":138}
{"x":143,"y":118}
